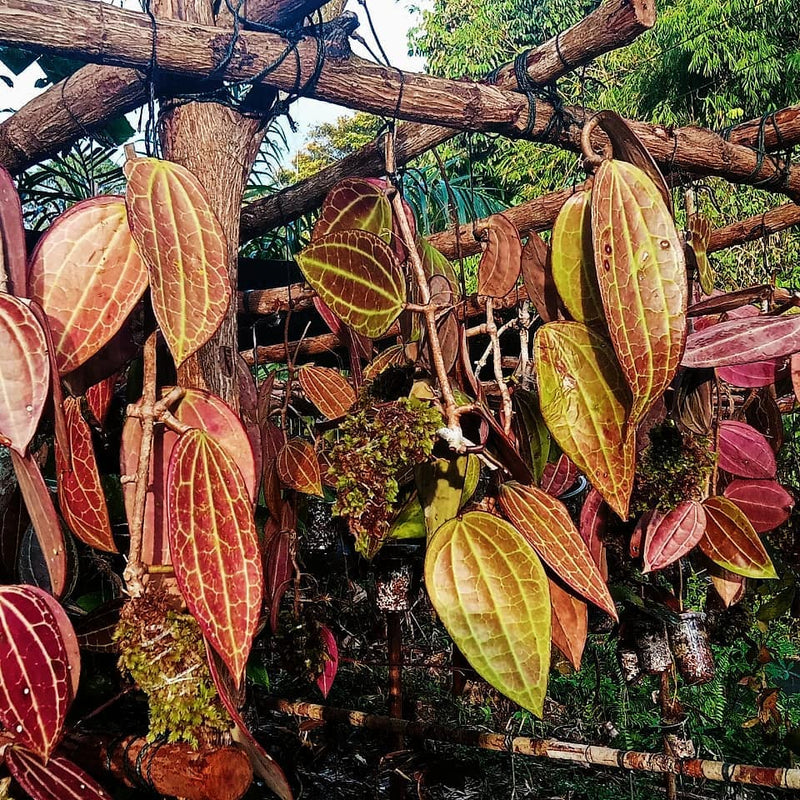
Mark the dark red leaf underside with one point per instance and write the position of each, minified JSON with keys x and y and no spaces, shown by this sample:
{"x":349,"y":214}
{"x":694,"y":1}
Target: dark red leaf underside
{"x":59,"y":779}
{"x":99,"y":396}
{"x":500,"y":263}
{"x":671,"y":536}
{"x":558,"y":476}
{"x":752,"y":376}
{"x":95,"y":631}
{"x":593,"y":521}
{"x":278,"y":571}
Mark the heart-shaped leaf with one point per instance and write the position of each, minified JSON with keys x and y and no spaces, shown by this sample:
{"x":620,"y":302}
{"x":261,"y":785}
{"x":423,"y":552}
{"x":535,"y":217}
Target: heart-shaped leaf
{"x":570,"y":623}
{"x":491,"y":592}
{"x":214,"y":545}
{"x":197,"y":409}
{"x":584,"y":401}
{"x":331,"y":664}
{"x":355,"y":204}
{"x":24,"y":373}
{"x":298,"y":467}
{"x":327,"y":389}
{"x":642,"y":276}
{"x":38,"y":654}
{"x":58,"y":779}
{"x":500,"y":263}
{"x":572,"y":261}
{"x":44,"y":519}
{"x":80,"y":493}
{"x":743,"y":341}
{"x":671,"y":536}
{"x":731,"y":542}
{"x":545,"y":523}
{"x":13,"y":254}
{"x":744,"y":451}
{"x":765,"y":503}
{"x":358,"y":277}
{"x":87,"y":275}
{"x":184,"y":247}
{"x":698,"y":237}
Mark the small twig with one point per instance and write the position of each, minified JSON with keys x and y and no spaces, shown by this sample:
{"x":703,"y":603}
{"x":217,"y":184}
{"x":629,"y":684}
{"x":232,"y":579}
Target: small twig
{"x":483,"y":360}
{"x":497,"y":356}
{"x":524,"y":320}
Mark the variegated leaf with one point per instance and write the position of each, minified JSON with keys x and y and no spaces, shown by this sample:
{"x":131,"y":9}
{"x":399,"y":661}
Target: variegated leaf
{"x":99,"y":397}
{"x":278,"y":570}
{"x":38,"y":656}
{"x":331,"y":664}
{"x":298,"y":467}
{"x":572,"y":261}
{"x":491,"y":592}
{"x":584,"y":401}
{"x":558,"y":476}
{"x":58,"y":779}
{"x":358,"y":277}
{"x":731,"y":542}
{"x":545,"y":523}
{"x":729,"y":587}
{"x":80,"y":493}
{"x":87,"y":275}
{"x":642,"y":276}
{"x":95,"y":631}
{"x":184,"y":247}
{"x":327,"y":389}
{"x":355,"y":204}
{"x":500,"y":263}
{"x":671,"y":536}
{"x":214,"y":545}
{"x":570,"y":623}
{"x":24,"y":373}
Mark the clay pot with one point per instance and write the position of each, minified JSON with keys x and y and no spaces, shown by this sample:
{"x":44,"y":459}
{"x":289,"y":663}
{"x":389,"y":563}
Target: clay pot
{"x":691,"y":648}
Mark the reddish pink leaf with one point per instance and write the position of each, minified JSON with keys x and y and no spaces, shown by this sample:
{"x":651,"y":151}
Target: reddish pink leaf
{"x":594,"y":518}
{"x":12,"y":236}
{"x":765,"y":503}
{"x":671,"y":536}
{"x":24,"y":373}
{"x":99,"y":396}
{"x":87,"y":275}
{"x":298,"y":467}
{"x":559,"y":476}
{"x":795,"y":370}
{"x":80,"y":493}
{"x":58,"y":779}
{"x":95,"y":631}
{"x":637,"y":537}
{"x":331,"y":655}
{"x":273,"y":440}
{"x":37,"y":657}
{"x":569,"y":624}
{"x":214,"y":545}
{"x":183,"y":244}
{"x":278,"y":571}
{"x":327,"y":389}
{"x":500,"y":263}
{"x":44,"y":518}
{"x":752,"y":376}
{"x":198,"y":409}
{"x":745,"y":452}
{"x":743,"y":341}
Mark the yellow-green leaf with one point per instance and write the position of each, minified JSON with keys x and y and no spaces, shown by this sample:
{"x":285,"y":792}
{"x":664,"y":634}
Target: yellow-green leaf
{"x":357,"y":275}
{"x":585,"y":402}
{"x":642,"y":276}
{"x":491,"y":592}
{"x":440,"y":484}
{"x":698,"y":237}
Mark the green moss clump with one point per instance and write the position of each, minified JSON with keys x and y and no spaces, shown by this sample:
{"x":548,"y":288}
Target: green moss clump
{"x":163,"y":652}
{"x":674,"y":467}
{"x":376,"y":447}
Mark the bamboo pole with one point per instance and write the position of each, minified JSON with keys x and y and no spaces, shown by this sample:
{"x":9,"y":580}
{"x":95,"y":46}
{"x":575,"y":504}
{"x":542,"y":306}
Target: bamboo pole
{"x":776,"y":777}
{"x":97,"y":32}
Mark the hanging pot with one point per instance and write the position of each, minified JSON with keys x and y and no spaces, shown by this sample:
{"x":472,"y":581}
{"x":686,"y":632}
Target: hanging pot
{"x":691,"y":649}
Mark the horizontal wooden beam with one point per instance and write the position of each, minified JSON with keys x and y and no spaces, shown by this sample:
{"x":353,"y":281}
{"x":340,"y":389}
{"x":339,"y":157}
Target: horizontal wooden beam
{"x":775,"y":220}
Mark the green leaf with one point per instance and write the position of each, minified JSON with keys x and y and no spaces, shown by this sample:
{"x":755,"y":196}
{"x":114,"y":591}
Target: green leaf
{"x":584,"y":401}
{"x":440,"y":484}
{"x":491,"y":592}
{"x":358,"y":277}
{"x":531,"y":428}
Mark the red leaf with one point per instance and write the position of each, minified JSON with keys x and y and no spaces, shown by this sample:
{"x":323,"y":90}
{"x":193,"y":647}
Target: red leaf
{"x":278,"y":571}
{"x":752,"y":376}
{"x":38,"y":667}
{"x":273,"y":440}
{"x":214,"y":545}
{"x":537,"y":275}
{"x":183,"y":244}
{"x":12,"y":236}
{"x":570,"y":624}
{"x":347,"y":336}
{"x":58,"y":779}
{"x":327,"y":389}
{"x":500,"y":263}
{"x":593,"y":521}
{"x":765,"y":503}
{"x":743,"y":341}
{"x":24,"y":373}
{"x":331,"y":655}
{"x":99,"y":396}
{"x":559,"y":476}
{"x":198,"y":409}
{"x":745,"y":452}
{"x":44,"y":518}
{"x":88,"y":276}
{"x":80,"y":493}
{"x":298,"y":467}
{"x":671,"y":536}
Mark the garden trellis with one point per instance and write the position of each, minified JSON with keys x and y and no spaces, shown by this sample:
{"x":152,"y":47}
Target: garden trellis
{"x":216,"y":71}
